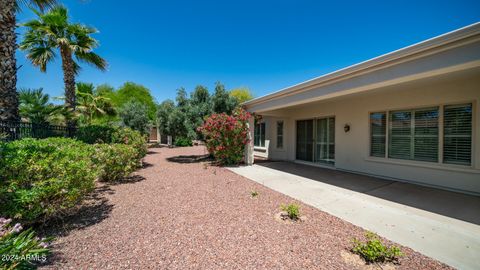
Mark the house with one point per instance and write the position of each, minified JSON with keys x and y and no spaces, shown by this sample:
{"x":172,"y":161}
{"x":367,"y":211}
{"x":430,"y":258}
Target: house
{"x":409,"y":115}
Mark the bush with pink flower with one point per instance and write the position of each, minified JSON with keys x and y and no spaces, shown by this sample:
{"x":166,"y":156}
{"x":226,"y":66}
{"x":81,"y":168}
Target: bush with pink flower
{"x":20,"y":249}
{"x":226,"y":135}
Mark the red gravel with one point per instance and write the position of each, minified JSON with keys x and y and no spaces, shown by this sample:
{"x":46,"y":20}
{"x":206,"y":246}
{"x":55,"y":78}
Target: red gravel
{"x":194,"y":216}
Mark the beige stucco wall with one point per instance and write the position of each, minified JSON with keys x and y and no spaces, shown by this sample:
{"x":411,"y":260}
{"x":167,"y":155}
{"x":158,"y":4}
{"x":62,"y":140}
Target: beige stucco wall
{"x":352,"y":148}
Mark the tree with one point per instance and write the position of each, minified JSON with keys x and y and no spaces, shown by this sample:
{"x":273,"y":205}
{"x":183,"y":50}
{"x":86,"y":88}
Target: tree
{"x":181,"y":118}
{"x":163,"y":116}
{"x":135,"y":116}
{"x":105,"y":90}
{"x":92,"y":105}
{"x":135,"y":92}
{"x":241,"y":94}
{"x":35,"y":106}
{"x":180,"y":126}
{"x":8,"y":64}
{"x":222,"y":101}
{"x":53,"y":30}
{"x":200,"y":95}
{"x":182,"y":99}
{"x":201,"y":107}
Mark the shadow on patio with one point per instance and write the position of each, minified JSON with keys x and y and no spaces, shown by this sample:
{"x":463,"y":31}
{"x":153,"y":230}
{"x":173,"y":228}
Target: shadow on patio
{"x":447,"y":203}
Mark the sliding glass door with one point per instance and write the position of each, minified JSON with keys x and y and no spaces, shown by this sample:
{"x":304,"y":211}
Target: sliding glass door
{"x":325,"y":140}
{"x":305,"y":140}
{"x":316,"y":140}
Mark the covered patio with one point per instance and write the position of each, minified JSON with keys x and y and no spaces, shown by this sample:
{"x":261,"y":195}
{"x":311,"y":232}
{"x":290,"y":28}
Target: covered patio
{"x":439,"y":223}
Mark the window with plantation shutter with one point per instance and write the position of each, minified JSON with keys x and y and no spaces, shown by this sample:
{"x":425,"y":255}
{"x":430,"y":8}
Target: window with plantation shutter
{"x":378,"y":130}
{"x":426,"y":135}
{"x":414,"y":135}
{"x":400,"y":137}
{"x":457,"y":134}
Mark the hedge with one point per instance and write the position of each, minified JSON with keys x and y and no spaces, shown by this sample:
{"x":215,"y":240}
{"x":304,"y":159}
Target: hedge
{"x":107,"y":134}
{"x":116,"y":161}
{"x":41,"y":178}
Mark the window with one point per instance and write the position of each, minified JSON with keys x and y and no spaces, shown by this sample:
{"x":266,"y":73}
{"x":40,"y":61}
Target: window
{"x":259,"y":135}
{"x":280,"y":134}
{"x":378,"y":130}
{"x":457,"y":130}
{"x":425,"y":138}
{"x":415,"y":134}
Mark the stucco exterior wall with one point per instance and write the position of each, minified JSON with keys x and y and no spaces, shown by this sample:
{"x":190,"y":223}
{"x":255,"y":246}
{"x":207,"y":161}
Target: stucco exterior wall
{"x":352,"y":148}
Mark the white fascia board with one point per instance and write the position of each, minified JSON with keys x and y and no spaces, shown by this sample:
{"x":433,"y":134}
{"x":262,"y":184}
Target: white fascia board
{"x":389,"y":58}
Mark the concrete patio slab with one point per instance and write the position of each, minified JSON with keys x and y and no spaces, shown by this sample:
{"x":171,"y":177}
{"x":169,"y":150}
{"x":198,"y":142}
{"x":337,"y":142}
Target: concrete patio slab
{"x":441,"y":224}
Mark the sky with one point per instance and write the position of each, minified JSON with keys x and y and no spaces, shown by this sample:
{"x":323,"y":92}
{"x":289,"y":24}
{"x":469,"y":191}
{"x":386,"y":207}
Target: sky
{"x":263,"y":45}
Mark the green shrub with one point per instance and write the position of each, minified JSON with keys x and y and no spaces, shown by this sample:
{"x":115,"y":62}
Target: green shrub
{"x":131,"y":137}
{"x":107,"y":134}
{"x":20,"y":249}
{"x":226,"y":136}
{"x":41,"y":178}
{"x":95,"y":134}
{"x":254,"y":193}
{"x":116,"y":161}
{"x":183,"y":142}
{"x":293,"y":210}
{"x":373,"y":250}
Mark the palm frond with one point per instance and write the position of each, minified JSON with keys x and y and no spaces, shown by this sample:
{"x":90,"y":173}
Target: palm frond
{"x":92,"y":59}
{"x":35,"y":106}
{"x":41,"y":4}
{"x":41,"y":56}
{"x":83,"y":87}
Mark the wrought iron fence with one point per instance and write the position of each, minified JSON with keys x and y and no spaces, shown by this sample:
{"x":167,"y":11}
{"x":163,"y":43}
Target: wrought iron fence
{"x":10,"y":131}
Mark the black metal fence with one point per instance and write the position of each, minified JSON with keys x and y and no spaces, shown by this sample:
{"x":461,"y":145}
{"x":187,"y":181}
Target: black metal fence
{"x":10,"y":131}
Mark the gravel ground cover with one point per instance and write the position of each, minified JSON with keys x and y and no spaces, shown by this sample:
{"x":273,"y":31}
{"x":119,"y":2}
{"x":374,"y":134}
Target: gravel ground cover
{"x":178,"y":212}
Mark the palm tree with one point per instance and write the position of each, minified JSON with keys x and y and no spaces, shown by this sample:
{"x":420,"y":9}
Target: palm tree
{"x":90,"y":104}
{"x":52,"y":31}
{"x":35,"y":106}
{"x":8,"y":63}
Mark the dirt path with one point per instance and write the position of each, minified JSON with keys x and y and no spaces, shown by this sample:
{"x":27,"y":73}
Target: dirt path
{"x":179,"y":215}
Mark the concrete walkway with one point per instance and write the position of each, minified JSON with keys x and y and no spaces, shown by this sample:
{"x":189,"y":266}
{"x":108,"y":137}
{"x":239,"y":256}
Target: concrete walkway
{"x":449,"y":240}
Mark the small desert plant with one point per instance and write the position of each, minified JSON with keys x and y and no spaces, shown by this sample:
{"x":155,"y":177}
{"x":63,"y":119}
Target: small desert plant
{"x":254,"y":193}
{"x":292,"y":209}
{"x":373,"y":250}
{"x":20,"y":249}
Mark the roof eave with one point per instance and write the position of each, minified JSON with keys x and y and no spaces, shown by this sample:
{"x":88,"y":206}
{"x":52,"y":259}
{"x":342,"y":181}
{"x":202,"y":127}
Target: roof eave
{"x":397,"y":55}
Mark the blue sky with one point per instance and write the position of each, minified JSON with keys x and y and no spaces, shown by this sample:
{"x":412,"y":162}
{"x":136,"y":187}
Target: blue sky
{"x":264,"y":45}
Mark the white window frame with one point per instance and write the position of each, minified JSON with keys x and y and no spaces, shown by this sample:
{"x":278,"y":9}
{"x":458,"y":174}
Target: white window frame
{"x":441,"y":108}
{"x":412,"y":131}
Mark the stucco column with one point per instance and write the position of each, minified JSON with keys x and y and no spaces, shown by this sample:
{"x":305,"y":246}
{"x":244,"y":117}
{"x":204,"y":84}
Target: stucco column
{"x":249,"y":146}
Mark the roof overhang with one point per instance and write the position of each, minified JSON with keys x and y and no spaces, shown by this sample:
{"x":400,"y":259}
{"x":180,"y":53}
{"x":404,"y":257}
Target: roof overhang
{"x":450,"y":52}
